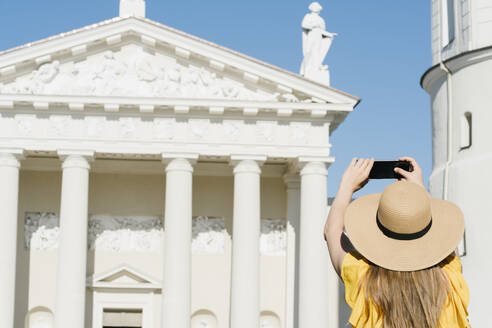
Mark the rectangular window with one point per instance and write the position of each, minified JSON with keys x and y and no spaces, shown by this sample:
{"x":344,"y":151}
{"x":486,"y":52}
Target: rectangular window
{"x":451,"y":21}
{"x":448,"y":22}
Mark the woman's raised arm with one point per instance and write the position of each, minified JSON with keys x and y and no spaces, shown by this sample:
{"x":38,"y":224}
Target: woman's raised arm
{"x":355,"y":177}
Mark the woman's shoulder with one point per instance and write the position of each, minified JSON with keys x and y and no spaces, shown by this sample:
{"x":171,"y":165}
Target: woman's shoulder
{"x":451,"y":263}
{"x":455,"y":308}
{"x":354,"y":267}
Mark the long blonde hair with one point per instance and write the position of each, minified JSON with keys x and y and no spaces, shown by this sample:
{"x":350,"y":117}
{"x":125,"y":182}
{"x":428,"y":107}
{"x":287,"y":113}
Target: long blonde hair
{"x":407,"y":299}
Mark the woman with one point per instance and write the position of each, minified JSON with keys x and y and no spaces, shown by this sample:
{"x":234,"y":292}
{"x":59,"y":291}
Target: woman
{"x":398,"y":264}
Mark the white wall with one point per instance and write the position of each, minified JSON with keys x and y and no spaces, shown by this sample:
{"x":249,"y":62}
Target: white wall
{"x":140,"y":194}
{"x":470,"y":176}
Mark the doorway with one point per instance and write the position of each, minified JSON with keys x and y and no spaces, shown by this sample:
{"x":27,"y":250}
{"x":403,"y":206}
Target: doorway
{"x":122,"y":318}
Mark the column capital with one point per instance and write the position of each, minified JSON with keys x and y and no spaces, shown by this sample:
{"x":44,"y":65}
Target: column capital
{"x":317,"y":168}
{"x":167,"y":157}
{"x":76,"y":158}
{"x":11,"y":157}
{"x":179,"y":164}
{"x":247,"y":163}
{"x":303,"y":160}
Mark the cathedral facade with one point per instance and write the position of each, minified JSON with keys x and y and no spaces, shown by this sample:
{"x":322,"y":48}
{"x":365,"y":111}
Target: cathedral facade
{"x":151,"y":178}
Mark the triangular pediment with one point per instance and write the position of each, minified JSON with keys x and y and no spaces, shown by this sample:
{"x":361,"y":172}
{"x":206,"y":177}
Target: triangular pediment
{"x":123,"y":276}
{"x":136,"y":57}
{"x":134,"y":70}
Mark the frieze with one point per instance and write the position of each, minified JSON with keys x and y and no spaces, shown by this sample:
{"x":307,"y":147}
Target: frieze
{"x":202,"y":131}
{"x":163,"y":129}
{"x":24,"y":124}
{"x":232,"y":130}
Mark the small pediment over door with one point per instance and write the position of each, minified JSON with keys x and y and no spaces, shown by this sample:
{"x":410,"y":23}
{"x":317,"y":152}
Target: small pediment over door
{"x":123,"y":277}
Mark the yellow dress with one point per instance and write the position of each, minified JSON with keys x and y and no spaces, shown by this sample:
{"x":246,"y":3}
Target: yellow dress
{"x":454,"y":313}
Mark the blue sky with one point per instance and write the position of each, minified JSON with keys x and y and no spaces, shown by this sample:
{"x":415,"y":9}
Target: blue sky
{"x":382,"y":49}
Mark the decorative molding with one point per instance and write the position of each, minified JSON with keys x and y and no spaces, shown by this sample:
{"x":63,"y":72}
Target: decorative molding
{"x":273,"y":238}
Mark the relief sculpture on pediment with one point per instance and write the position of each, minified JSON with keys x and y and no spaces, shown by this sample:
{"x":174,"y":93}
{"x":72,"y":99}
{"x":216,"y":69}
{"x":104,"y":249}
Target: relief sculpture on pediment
{"x":135,"y":73}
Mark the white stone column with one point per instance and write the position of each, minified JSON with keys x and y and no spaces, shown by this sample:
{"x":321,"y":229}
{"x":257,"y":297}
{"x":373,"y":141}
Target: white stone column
{"x":72,"y":248}
{"x":245,"y":292}
{"x":314,"y":296}
{"x":176,"y":282}
{"x":292,"y":181}
{"x":9,"y":195}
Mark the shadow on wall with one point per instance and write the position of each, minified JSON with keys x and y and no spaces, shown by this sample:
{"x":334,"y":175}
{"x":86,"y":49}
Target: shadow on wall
{"x":344,"y":310}
{"x":89,"y":293}
{"x":22,"y":272}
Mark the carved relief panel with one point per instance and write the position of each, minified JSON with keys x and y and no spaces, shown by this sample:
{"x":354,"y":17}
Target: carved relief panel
{"x":132,"y":71}
{"x":144,"y":234}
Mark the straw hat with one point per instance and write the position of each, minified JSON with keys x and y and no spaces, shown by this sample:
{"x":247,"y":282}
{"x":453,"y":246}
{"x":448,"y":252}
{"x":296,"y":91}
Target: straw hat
{"x":403,"y":228}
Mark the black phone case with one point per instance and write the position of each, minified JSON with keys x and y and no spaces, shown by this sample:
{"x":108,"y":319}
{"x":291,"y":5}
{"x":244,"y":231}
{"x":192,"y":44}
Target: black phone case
{"x":385,"y":169}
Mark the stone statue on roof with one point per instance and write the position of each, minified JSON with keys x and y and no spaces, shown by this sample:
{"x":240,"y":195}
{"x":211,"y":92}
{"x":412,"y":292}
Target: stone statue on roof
{"x":132,"y":8}
{"x":316,"y":42}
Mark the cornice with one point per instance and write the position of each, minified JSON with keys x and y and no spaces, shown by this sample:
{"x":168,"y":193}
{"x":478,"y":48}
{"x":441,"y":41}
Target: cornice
{"x":454,"y":64}
{"x":147,"y":106}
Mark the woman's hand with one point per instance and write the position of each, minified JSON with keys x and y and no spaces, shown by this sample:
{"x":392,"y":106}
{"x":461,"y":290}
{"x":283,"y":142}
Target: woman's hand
{"x":415,"y":174}
{"x":356,"y":175}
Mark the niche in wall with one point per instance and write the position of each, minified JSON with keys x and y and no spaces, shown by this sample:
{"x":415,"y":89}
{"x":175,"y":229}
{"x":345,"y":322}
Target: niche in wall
{"x":39,"y":317}
{"x":466,"y":131}
{"x":203,"y":319}
{"x":269,"y":319}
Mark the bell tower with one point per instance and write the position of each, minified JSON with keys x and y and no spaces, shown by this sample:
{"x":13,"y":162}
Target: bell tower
{"x":458,"y":83}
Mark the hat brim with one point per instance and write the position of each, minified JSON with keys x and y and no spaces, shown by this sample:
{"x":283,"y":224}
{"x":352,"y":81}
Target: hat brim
{"x":403,"y":255}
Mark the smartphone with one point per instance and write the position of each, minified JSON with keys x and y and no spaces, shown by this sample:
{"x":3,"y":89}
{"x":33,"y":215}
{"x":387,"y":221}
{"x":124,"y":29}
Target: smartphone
{"x":385,"y":169}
